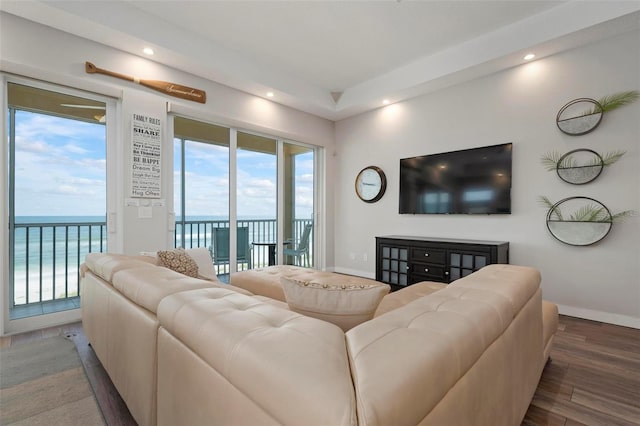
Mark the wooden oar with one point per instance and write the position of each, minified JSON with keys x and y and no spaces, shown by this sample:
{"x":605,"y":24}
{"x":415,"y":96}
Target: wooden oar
{"x":165,"y":87}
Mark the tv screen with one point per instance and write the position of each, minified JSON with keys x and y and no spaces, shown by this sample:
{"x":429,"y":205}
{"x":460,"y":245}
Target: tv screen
{"x":471,"y":181}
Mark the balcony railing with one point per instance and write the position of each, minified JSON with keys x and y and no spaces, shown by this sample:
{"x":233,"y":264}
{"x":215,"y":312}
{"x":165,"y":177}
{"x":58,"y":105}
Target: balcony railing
{"x":199,"y":233}
{"x":46,"y":257}
{"x":45,"y":264}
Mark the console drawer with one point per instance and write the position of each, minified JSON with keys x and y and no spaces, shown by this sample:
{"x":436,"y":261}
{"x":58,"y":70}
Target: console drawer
{"x":429,"y":272}
{"x":429,"y":255}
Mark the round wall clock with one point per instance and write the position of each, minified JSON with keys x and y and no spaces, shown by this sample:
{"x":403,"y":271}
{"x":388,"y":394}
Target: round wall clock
{"x":371,"y":183}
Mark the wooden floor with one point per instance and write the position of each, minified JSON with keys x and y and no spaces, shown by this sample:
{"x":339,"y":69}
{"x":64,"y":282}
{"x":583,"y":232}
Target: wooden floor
{"x":113,"y":408}
{"x":593,"y":377}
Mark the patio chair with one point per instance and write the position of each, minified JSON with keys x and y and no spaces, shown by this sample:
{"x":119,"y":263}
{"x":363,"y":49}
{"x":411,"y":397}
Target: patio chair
{"x":302,"y":250}
{"x":220,"y":248}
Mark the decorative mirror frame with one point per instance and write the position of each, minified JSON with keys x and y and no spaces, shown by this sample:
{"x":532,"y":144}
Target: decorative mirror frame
{"x":594,"y":169}
{"x":599,"y":228}
{"x":596,"y":110}
{"x":565,"y":166}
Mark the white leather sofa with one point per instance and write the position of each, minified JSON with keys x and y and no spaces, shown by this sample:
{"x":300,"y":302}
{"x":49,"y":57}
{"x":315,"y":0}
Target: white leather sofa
{"x":470,"y":353}
{"x":120,"y":297}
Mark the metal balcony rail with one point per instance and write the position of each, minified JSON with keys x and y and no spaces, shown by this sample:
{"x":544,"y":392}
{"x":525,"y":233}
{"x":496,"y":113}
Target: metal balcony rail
{"x":46,"y":258}
{"x":199,"y":233}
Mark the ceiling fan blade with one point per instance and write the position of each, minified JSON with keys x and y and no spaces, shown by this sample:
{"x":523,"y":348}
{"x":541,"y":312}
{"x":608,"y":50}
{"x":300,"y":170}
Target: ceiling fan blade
{"x":84,"y":106}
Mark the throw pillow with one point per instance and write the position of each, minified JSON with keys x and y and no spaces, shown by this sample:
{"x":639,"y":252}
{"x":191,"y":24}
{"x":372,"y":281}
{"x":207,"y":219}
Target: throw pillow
{"x":202,"y":257}
{"x":344,"y":305}
{"x":178,"y":260}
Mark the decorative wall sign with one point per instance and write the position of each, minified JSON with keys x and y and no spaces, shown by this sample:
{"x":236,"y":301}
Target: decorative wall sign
{"x":146,"y":157}
{"x":171,"y":89}
{"x":579,"y":166}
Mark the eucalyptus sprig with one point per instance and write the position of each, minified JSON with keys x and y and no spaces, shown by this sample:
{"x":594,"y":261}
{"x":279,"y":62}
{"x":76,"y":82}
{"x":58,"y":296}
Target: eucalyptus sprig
{"x":616,"y":100}
{"x":611,"y":157}
{"x":550,"y":160}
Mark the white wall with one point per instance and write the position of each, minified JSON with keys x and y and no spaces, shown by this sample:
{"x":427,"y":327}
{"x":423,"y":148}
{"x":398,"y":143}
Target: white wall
{"x":519,"y":105}
{"x":41,"y":52}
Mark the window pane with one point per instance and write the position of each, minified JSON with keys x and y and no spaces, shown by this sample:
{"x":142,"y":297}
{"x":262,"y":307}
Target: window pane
{"x":201,"y":189}
{"x":257,"y":197}
{"x":298,"y":203}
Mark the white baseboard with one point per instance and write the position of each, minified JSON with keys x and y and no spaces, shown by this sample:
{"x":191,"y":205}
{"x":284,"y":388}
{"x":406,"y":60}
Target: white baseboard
{"x":355,"y":272}
{"x":608,"y":317}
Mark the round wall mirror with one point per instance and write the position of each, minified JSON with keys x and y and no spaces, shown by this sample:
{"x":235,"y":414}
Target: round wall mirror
{"x":580,"y":116}
{"x":580,"y":166}
{"x":579,"y":221}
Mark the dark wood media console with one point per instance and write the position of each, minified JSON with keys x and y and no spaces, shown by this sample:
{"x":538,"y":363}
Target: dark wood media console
{"x":405,"y":260}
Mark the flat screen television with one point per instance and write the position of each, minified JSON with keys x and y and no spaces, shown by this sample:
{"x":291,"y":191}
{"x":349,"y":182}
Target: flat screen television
{"x":470,"y":181}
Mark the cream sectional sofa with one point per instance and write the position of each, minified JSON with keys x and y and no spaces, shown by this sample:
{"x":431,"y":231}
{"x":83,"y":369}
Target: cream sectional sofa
{"x":470,"y":353}
{"x":120,"y":297}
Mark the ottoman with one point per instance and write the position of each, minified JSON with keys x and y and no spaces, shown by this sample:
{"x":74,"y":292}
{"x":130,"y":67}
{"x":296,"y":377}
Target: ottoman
{"x":266,"y":281}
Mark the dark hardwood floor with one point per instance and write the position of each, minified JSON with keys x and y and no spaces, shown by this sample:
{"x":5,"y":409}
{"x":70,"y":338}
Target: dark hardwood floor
{"x":593,"y":377}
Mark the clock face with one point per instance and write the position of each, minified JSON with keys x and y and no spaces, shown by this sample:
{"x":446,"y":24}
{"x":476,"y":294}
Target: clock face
{"x":371,"y":184}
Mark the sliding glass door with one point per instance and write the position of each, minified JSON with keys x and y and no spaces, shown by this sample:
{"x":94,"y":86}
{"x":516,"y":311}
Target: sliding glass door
{"x":57,"y":195}
{"x":201,"y":189}
{"x":237,"y":189}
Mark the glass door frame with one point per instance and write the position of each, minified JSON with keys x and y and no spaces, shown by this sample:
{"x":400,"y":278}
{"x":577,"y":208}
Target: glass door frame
{"x":113,"y":214}
{"x":318,"y":158}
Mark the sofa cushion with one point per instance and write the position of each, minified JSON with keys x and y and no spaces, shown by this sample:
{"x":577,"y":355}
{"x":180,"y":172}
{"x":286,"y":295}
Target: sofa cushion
{"x":105,"y":265}
{"x":178,"y":260}
{"x":294,"y":368}
{"x":345,"y":305}
{"x":408,"y":294}
{"x":148,"y":286}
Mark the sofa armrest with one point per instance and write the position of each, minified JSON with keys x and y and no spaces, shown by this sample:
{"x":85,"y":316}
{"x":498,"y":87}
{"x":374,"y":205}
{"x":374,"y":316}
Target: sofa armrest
{"x":549,"y":326}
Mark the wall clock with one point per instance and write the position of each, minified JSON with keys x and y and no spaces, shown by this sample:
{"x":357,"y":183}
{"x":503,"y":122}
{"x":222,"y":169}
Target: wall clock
{"x":371,"y":183}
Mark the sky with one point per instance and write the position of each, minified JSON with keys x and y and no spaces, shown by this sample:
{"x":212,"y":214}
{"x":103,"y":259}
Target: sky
{"x":61,"y":171}
{"x":207,"y":182}
{"x":60,"y":166}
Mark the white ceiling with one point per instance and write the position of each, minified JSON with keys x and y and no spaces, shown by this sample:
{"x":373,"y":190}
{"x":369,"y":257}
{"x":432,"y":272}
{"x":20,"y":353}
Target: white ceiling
{"x":362,"y":51}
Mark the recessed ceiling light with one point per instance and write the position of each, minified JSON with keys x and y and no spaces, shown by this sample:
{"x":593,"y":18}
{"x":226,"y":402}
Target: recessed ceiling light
{"x":148,"y":50}
{"x":529,"y":56}
{"x":385,"y":102}
{"x":269,"y":94}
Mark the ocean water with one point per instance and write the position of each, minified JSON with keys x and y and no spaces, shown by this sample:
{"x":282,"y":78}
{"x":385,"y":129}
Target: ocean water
{"x":50,"y":249}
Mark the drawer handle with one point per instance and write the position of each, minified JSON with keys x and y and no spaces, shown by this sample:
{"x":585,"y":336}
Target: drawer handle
{"x":426,"y":269}
{"x":426,"y":255}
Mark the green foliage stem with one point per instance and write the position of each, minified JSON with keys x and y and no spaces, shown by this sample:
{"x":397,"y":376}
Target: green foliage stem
{"x":616,"y":100}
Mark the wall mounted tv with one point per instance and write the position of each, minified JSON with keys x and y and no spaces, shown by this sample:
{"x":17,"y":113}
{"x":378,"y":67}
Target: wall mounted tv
{"x":471,"y":181}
